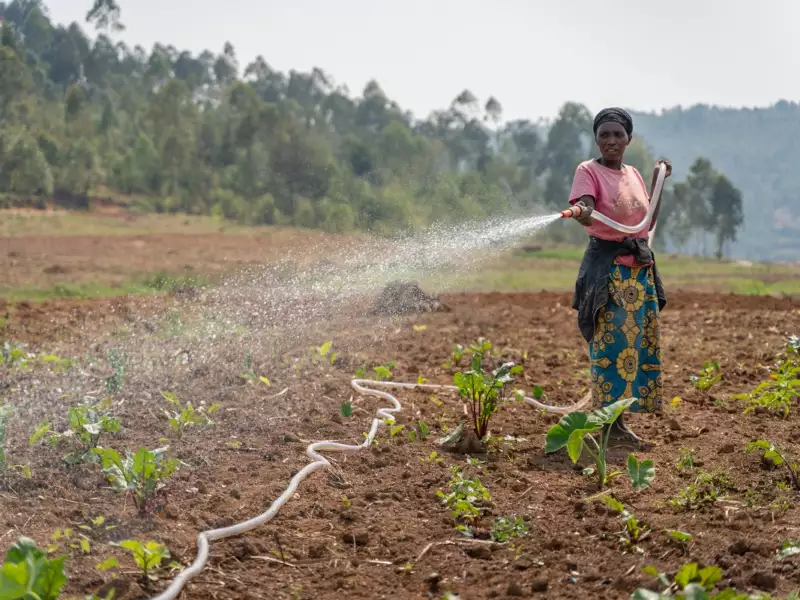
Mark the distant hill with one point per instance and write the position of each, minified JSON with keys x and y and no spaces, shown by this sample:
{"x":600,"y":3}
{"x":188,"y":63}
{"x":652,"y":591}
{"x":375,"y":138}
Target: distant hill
{"x":759,"y":151}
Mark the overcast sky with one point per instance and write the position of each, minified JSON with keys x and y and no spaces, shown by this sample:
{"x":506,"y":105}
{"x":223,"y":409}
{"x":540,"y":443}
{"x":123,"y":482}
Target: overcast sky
{"x":531,"y":55}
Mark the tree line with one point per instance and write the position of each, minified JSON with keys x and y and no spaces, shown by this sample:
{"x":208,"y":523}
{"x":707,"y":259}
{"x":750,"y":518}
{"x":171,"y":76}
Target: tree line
{"x":169,"y":131}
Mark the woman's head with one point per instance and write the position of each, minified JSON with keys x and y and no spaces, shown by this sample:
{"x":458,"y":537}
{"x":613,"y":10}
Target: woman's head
{"x":613,"y":128}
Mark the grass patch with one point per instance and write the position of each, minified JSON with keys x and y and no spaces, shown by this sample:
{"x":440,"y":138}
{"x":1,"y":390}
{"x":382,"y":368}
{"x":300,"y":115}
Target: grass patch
{"x":148,"y":284}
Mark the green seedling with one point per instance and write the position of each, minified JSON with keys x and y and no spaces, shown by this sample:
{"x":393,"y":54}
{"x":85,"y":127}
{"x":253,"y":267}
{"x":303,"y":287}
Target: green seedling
{"x":776,"y":457}
{"x":484,"y":391}
{"x":65,"y":537}
{"x":634,"y":531}
{"x":116,"y":361}
{"x":249,"y":375}
{"x":708,"y":377}
{"x":780,"y":390}
{"x":27,"y":573}
{"x":576,"y":430}
{"x":148,"y":557}
{"x":505,"y":528}
{"x":186,"y":416}
{"x":323,"y":354}
{"x":14,"y":357}
{"x":394,"y":428}
{"x":87,"y":424}
{"x":346,"y":408}
{"x":421,"y":431}
{"x":379,"y":373}
{"x":679,"y":538}
{"x":687,"y":460}
{"x":467,"y":497}
{"x":433,"y":457}
{"x":143,"y":474}
{"x":706,"y":489}
{"x":641,"y":473}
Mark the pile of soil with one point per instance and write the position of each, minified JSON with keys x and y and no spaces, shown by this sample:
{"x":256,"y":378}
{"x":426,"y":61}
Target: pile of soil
{"x":406,"y":297}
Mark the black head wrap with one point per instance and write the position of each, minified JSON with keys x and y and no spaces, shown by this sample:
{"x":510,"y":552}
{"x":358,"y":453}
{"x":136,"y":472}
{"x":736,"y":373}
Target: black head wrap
{"x":614,"y":115}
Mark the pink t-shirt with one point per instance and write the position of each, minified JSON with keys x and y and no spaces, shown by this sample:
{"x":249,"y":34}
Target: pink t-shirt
{"x":619,"y":195}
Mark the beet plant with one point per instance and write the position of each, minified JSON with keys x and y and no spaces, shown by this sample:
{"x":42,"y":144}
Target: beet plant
{"x":28,"y":574}
{"x":575,"y":432}
{"x":483,"y":390}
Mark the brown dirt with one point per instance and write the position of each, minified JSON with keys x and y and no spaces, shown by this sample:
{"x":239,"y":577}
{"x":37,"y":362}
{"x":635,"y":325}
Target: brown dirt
{"x":406,"y":297}
{"x":46,"y":261}
{"x":370,"y":545}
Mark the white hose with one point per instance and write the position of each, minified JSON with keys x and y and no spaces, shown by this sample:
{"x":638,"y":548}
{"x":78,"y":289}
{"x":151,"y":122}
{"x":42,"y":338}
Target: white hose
{"x":319,"y":461}
{"x":631,"y":229}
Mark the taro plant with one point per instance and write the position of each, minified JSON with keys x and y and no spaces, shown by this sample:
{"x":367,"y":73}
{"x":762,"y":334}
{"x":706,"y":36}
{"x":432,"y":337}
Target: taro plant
{"x":641,"y":473}
{"x":774,"y":456}
{"x":87,"y":424}
{"x":28,"y":574}
{"x":576,"y":430}
{"x":143,"y":473}
{"x":708,"y":377}
{"x":484,"y":391}
{"x":186,"y":415}
{"x":777,"y":393}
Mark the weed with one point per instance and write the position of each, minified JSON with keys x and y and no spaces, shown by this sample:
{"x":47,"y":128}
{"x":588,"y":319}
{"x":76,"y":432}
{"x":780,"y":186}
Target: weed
{"x":142,"y":473}
{"x":65,"y":536}
{"x":776,"y":457}
{"x":782,"y":387}
{"x":27,"y":573}
{"x":466,"y":499}
{"x":706,"y":489}
{"x":483,"y":391}
{"x":575,"y":432}
{"x":187,"y":416}
{"x":710,"y":375}
{"x":87,"y":423}
{"x":505,"y":528}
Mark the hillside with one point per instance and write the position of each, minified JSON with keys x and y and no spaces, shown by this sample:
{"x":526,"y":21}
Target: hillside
{"x":169,"y":131}
{"x":757,"y":149}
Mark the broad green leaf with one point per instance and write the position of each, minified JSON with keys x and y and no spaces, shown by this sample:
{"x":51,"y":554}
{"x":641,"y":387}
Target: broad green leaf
{"x":695,"y":592}
{"x":575,"y":445}
{"x":538,"y":392}
{"x":609,"y":414}
{"x":559,"y":435}
{"x":39,"y":433}
{"x":679,"y":536}
{"x":645,"y":594}
{"x":51,"y":579}
{"x":453,"y":437}
{"x":641,"y":473}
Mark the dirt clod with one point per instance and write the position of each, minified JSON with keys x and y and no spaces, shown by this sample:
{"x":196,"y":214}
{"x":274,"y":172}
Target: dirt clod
{"x":358,"y":538}
{"x":539,"y":586}
{"x":401,"y":297}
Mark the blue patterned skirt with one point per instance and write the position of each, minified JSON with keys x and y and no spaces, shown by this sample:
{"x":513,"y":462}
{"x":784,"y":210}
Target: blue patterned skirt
{"x":625,"y":351}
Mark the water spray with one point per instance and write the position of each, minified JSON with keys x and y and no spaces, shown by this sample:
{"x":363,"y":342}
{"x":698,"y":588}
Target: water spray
{"x":368,"y":387}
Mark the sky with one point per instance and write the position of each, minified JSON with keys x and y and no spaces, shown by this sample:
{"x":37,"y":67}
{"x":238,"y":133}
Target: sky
{"x":531,"y":55}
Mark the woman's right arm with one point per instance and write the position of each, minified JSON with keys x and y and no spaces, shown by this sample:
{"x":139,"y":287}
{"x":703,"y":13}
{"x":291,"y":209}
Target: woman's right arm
{"x":584,"y":194}
{"x":587,"y":205}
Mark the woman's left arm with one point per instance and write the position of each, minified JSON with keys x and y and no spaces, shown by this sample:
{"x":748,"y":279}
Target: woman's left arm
{"x":653,"y":187}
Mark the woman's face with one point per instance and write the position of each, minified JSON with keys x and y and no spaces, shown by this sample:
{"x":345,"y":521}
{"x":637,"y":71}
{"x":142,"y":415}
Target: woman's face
{"x":612,"y":139}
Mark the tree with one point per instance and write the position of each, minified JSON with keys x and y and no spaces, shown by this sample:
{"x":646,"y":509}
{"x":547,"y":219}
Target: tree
{"x":726,"y":205}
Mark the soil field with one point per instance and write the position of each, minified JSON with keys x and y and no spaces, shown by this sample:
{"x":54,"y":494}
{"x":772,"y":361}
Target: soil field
{"x":372,"y":526}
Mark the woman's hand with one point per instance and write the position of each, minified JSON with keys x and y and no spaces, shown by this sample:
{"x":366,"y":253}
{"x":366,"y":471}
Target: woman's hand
{"x":659,"y":162}
{"x":585,"y":218}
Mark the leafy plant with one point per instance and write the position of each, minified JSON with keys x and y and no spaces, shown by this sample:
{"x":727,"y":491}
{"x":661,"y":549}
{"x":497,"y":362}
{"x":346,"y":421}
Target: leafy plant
{"x":64,"y":536}
{"x":641,"y":473}
{"x":116,"y":361}
{"x":87,"y":423}
{"x":13,"y":356}
{"x":323,"y":354}
{"x":27,"y":573}
{"x":187,"y":416}
{"x":379,"y":373}
{"x":575,"y":431}
{"x":483,"y":391}
{"x":776,"y":457}
{"x":505,"y":528}
{"x":394,"y":428}
{"x":142,"y":474}
{"x":710,"y":375}
{"x":789,"y":548}
{"x":466,"y":498}
{"x":706,"y":489}
{"x":687,"y":459}
{"x":249,"y":374}
{"x":148,"y":556}
{"x":421,"y":430}
{"x":782,"y":387}
{"x":346,"y":408}
{"x":634,"y":531}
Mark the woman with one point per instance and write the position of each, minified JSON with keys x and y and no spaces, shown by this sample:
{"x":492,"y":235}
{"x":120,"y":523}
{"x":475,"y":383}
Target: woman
{"x":618,"y":294}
